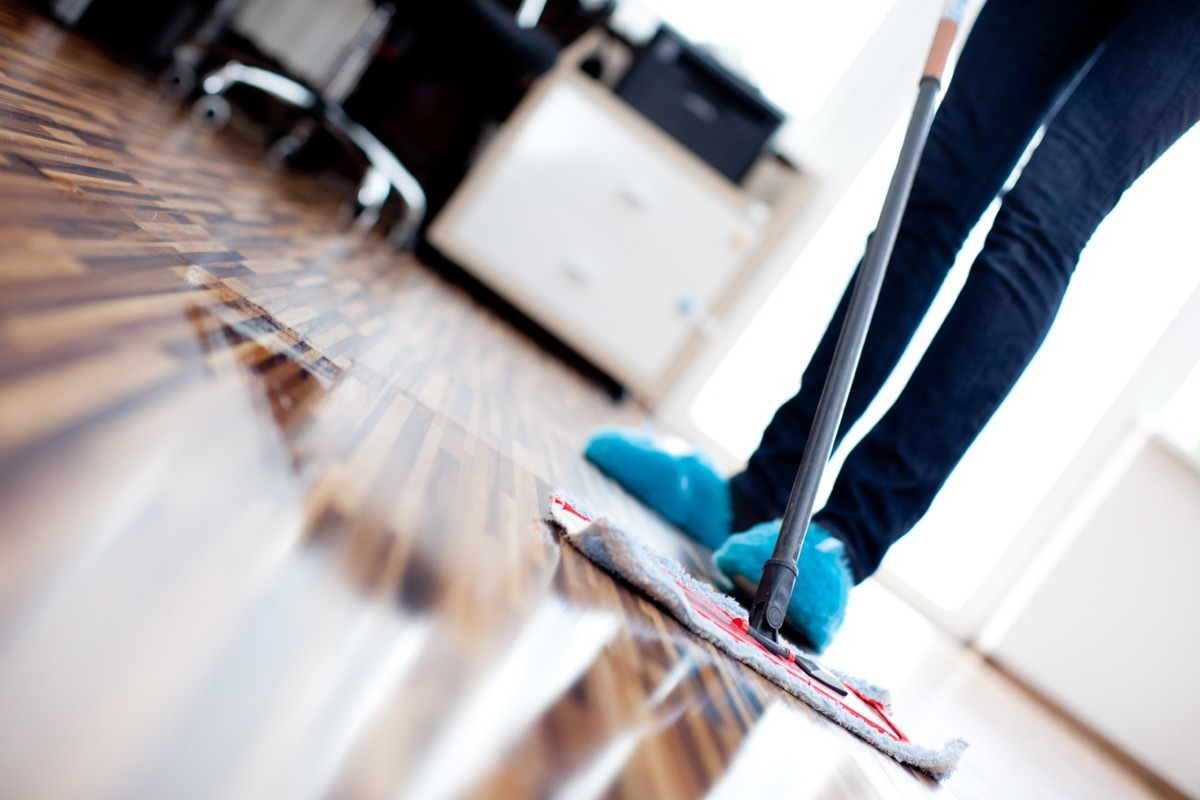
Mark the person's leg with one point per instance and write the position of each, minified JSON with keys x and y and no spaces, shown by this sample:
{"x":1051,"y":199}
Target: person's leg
{"x":1018,"y":59}
{"x":1140,"y":95}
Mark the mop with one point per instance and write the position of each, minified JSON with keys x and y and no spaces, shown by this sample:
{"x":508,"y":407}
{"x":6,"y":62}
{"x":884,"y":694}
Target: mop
{"x":753,"y":638}
{"x":859,"y":706}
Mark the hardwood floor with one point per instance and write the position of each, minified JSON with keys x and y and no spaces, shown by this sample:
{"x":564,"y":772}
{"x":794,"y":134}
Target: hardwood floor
{"x":267,"y":504}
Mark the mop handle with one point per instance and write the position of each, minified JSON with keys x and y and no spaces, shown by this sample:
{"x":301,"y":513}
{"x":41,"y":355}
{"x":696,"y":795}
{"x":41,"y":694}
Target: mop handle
{"x":779,"y":572}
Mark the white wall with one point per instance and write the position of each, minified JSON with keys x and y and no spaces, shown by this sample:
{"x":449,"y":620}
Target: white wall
{"x":1112,"y":635}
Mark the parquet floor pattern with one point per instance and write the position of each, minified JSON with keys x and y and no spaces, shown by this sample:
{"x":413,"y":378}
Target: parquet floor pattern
{"x":267,"y":503}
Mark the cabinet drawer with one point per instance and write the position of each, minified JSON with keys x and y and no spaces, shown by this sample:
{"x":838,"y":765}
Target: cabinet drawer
{"x":598,"y":295}
{"x":625,"y":185}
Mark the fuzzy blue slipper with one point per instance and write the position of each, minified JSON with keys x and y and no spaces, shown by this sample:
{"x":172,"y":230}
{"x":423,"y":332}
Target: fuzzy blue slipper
{"x":685,"y":489}
{"x":822,"y":588}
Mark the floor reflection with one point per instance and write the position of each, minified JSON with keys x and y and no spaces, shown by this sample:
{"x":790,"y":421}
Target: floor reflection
{"x":556,"y":645}
{"x":786,"y":754}
{"x":600,"y":772}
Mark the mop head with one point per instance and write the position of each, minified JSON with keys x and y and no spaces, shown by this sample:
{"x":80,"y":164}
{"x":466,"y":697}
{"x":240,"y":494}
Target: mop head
{"x":719,"y":619}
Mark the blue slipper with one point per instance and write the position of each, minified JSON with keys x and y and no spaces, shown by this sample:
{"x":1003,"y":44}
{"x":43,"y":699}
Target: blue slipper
{"x":822,"y":588}
{"x":685,"y":489}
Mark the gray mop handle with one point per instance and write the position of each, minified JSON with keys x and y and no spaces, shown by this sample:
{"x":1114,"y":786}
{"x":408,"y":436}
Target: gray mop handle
{"x":863,"y":300}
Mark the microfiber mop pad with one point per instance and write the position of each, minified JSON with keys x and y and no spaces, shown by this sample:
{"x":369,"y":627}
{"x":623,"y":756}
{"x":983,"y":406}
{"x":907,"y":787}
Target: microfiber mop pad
{"x":720,"y":620}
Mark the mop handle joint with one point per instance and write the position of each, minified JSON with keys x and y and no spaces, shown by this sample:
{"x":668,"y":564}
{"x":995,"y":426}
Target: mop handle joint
{"x":943,"y":39}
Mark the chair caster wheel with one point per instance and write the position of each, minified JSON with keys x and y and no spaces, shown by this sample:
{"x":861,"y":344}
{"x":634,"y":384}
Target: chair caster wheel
{"x":212,"y":112}
{"x":177,"y":80}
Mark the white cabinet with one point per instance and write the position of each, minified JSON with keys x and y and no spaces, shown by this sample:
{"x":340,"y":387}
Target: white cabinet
{"x":603,"y":229}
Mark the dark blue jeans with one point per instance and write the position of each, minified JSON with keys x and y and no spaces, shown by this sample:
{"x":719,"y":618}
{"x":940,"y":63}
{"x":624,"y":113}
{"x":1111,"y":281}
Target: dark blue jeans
{"x":1115,"y":82}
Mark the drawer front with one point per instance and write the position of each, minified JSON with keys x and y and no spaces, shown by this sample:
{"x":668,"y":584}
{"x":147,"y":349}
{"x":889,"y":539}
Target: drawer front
{"x":591,"y":290}
{"x":627,"y":187}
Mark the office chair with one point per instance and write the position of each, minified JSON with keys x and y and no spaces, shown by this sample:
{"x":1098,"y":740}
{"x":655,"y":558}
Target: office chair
{"x":384,"y":173}
{"x":508,"y":49}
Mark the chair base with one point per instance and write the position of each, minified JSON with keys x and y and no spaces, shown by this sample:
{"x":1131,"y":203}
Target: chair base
{"x":384,"y":175}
